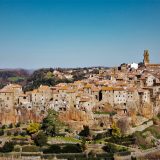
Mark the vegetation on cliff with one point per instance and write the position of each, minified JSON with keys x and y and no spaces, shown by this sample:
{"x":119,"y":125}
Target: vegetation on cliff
{"x":51,"y":123}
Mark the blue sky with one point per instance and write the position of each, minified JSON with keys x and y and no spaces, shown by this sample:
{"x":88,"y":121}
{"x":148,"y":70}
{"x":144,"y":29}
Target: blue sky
{"x":77,"y":33}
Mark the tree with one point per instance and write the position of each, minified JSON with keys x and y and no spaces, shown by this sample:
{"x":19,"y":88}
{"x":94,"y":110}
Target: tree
{"x":51,"y":123}
{"x":40,"y":139}
{"x":33,"y":128}
{"x":85,"y":132}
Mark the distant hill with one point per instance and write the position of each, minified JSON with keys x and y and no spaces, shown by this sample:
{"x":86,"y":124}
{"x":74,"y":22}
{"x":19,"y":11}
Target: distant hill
{"x":30,"y":79}
{"x":18,"y":76}
{"x":48,"y":77}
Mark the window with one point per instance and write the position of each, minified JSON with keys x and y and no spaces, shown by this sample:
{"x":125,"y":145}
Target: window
{"x":7,"y":98}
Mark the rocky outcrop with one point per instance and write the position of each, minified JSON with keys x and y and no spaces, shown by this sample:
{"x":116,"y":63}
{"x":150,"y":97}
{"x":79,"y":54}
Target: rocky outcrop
{"x":147,"y":110}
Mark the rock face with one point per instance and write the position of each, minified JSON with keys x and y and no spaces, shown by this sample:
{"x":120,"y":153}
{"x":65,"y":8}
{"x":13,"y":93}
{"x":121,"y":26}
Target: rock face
{"x":75,"y":115}
{"x":132,"y":113}
{"x":124,"y":124}
{"x":8,"y":116}
{"x":103,"y":107}
{"x":147,"y":110}
{"x":76,"y":118}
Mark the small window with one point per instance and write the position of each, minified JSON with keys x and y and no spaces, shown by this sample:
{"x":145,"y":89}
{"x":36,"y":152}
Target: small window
{"x":7,"y":98}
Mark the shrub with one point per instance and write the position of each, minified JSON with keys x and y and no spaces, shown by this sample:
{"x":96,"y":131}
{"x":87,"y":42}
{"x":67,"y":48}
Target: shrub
{"x":9,"y":133}
{"x":10,"y":126}
{"x":33,"y":128}
{"x":31,"y":148}
{"x":85,"y":132}
{"x":23,"y":134}
{"x":109,"y":148}
{"x":16,"y":133}
{"x":53,"y":149}
{"x":71,"y":149}
{"x":141,"y":141}
{"x":4,"y":126}
{"x":40,"y":139}
{"x":20,"y":142}
{"x":17,"y":149}
{"x":8,"y":147}
{"x":18,"y":125}
{"x":1,"y":132}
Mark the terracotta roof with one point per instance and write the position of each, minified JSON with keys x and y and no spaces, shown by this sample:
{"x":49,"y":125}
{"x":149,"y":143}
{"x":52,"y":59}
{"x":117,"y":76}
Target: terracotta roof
{"x":88,"y":86}
{"x":77,"y":82}
{"x":16,"y":86}
{"x":131,"y":89}
{"x":141,"y":90}
{"x":35,"y":91}
{"x":84,"y":99}
{"x":63,"y":88}
{"x":6,"y":90}
{"x":55,"y":92}
{"x":23,"y":95}
{"x":95,"y":89}
{"x":107,"y":88}
{"x":70,"y":91}
{"x":78,"y":95}
{"x":118,"y":89}
{"x":80,"y":89}
{"x":43,"y":87}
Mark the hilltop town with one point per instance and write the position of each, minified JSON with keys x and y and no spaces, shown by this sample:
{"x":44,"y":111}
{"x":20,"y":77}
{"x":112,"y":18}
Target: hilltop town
{"x":128,"y":91}
{"x":127,"y":96}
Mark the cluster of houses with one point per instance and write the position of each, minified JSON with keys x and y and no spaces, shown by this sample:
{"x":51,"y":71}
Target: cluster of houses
{"x":119,"y":87}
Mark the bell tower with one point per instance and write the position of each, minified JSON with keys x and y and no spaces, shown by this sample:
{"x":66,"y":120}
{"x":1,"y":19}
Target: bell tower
{"x":146,"y":57}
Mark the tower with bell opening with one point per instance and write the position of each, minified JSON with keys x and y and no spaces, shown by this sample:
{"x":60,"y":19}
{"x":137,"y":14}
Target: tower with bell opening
{"x":146,"y":57}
